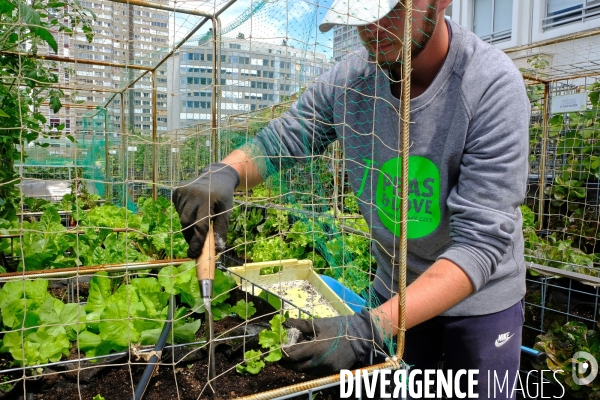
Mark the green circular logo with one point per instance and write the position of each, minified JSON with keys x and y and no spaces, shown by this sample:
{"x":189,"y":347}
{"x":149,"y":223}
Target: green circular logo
{"x":423,"y":196}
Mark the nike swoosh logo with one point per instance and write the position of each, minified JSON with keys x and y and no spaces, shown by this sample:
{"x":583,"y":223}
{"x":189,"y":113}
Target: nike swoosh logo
{"x":499,"y":342}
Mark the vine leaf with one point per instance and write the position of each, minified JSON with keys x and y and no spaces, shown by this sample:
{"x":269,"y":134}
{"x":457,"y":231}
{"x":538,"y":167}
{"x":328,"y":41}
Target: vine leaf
{"x":32,"y":18}
{"x":6,"y":7}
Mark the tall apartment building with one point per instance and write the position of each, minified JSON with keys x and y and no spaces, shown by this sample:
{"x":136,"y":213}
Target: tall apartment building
{"x":345,"y":40}
{"x":149,"y":34}
{"x":253,"y":75}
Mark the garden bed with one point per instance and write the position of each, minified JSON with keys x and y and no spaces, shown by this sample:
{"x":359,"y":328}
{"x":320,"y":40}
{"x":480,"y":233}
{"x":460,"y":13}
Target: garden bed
{"x":182,"y":373}
{"x":180,"y":379}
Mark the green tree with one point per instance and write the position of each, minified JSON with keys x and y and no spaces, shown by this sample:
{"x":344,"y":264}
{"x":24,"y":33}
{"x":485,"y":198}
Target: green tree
{"x":26,"y":27}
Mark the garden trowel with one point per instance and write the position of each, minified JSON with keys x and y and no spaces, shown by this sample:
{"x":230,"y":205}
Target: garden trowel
{"x":205,"y":269}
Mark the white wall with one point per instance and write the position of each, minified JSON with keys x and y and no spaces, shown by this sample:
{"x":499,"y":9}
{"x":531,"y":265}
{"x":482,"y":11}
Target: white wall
{"x":527,"y":19}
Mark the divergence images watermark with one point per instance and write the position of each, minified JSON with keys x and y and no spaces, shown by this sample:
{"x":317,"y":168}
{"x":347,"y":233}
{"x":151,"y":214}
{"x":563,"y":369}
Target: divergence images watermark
{"x":435,"y":383}
{"x":587,"y":368}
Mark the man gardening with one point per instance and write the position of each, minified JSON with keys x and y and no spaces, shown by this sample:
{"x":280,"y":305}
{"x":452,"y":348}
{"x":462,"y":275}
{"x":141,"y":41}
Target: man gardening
{"x":467,"y":177}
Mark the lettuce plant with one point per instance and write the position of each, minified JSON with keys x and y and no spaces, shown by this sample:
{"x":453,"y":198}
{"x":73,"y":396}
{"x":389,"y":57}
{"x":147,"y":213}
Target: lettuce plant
{"x":133,"y":313}
{"x":560,"y":343}
{"x":270,"y":339}
{"x":38,"y":327}
{"x":154,"y":233}
{"x":252,"y":363}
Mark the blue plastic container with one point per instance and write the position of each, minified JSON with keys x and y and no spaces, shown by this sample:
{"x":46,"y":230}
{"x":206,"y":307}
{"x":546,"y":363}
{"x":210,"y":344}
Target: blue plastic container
{"x":354,"y":301}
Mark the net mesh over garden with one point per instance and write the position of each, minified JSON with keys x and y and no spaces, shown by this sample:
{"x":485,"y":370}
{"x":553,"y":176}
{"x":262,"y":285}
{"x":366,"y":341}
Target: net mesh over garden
{"x":93,"y":261}
{"x":563,"y":214}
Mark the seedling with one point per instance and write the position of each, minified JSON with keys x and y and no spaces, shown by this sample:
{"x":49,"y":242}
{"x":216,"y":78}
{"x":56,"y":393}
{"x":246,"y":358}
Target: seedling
{"x":252,"y":363}
{"x":273,"y":339}
{"x":270,"y":339}
{"x":244,"y":310}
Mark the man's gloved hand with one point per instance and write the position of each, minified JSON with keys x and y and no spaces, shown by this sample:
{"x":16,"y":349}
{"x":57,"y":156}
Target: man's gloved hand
{"x":333,"y":343}
{"x":208,"y":197}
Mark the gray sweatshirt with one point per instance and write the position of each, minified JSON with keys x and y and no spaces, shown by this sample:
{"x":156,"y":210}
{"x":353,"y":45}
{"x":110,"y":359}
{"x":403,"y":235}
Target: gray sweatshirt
{"x":468,"y":164}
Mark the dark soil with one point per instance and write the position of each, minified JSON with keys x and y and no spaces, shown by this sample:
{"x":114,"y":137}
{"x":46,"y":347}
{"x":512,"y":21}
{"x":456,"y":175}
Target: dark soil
{"x":186,"y":379}
{"x":79,"y":292}
{"x":182,"y":375}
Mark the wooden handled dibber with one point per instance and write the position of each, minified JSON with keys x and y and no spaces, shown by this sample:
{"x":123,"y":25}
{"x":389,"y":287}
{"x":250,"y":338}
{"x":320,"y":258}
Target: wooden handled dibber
{"x":205,"y":269}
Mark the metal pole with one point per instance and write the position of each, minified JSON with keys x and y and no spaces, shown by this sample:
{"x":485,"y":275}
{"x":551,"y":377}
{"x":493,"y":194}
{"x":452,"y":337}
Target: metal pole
{"x":405,"y":134}
{"x":93,"y":89}
{"x":78,"y":61}
{"x":336,"y":171}
{"x":533,"y":78}
{"x":218,"y":89}
{"x":81,"y":106}
{"x":130,"y":56}
{"x":106,"y":156}
{"x":543,"y":151}
{"x":154,"y":140}
{"x":214,"y":100}
{"x":89,"y":270}
{"x":123,"y":150}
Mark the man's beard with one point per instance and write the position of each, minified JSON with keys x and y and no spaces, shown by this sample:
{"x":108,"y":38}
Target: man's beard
{"x":425,"y":34}
{"x":419,"y":42}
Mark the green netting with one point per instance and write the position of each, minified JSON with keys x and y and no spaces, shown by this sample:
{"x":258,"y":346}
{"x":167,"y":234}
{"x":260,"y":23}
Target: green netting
{"x":268,"y":54}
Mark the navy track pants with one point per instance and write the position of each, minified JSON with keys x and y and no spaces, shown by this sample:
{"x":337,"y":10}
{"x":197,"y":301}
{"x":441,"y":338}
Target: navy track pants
{"x":489,"y":343}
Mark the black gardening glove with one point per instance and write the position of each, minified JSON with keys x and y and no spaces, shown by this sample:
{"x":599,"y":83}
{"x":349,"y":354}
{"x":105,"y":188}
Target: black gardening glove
{"x":332,"y":344}
{"x":208,"y":197}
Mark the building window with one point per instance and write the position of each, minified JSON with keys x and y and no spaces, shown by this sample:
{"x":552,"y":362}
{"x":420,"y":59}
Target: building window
{"x":492,"y":19}
{"x":561,"y":12}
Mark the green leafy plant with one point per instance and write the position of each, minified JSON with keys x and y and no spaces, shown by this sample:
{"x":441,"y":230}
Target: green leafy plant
{"x":528,"y":217}
{"x":351,"y":204}
{"x":357,"y":261}
{"x":560,"y":343}
{"x":553,"y":252}
{"x":153,"y":233}
{"x":39,"y":326}
{"x":183,"y":281}
{"x":271,"y":340}
{"x":80,"y":198}
{"x":45,"y":243}
{"x":130,"y":314}
{"x":574,"y":137}
{"x":244,"y":310}
{"x":160,"y":229}
{"x":27,"y":81}
{"x":9,"y":223}
{"x":275,"y":301}
{"x":34,"y":204}
{"x":259,"y":234}
{"x":252,"y":364}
